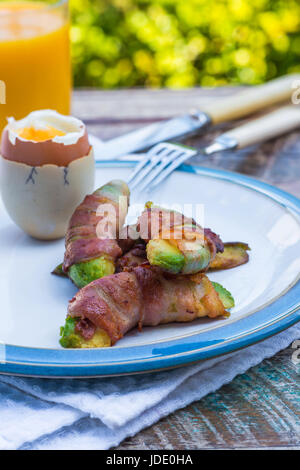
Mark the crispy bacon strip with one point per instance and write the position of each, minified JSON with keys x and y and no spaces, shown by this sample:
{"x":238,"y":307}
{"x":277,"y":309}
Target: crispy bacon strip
{"x":143,"y":297}
{"x":84,"y":238}
{"x":215,"y":239}
{"x":134,"y":257}
{"x":154,"y":221}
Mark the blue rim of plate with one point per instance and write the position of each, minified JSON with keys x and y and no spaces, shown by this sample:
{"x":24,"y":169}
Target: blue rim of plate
{"x":268,"y":321}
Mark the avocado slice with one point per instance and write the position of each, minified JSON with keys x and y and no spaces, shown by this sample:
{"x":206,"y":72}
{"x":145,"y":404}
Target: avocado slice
{"x":87,"y":271}
{"x":71,"y":339}
{"x":190,"y":258}
{"x":163,"y":254}
{"x":225,"y":296}
{"x":58,"y":271}
{"x":234,"y":254}
{"x":196,"y":257}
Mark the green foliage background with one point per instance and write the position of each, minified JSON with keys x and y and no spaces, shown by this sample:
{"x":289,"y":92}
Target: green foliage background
{"x":180,"y":43}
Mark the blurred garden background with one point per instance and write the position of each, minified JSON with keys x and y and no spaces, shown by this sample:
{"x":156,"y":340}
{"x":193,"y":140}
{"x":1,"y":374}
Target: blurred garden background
{"x":183,"y":43}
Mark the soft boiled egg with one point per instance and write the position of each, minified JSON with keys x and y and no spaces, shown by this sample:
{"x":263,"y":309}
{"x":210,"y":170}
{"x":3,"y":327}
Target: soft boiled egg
{"x":47,"y":168}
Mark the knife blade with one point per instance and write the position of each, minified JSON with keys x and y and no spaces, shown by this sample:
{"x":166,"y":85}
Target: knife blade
{"x":145,"y":137}
{"x":230,"y":107}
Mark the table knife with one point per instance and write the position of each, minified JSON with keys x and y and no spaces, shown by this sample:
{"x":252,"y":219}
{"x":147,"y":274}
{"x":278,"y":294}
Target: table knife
{"x":221,"y":110}
{"x":274,"y":124}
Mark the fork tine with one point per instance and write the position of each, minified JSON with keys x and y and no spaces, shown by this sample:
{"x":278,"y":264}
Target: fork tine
{"x":166,"y":160}
{"x":175,"y":164}
{"x":155,"y":156}
{"x":138,"y":168}
{"x":143,"y":162}
{"x":152,"y":162}
{"x":157,"y":164}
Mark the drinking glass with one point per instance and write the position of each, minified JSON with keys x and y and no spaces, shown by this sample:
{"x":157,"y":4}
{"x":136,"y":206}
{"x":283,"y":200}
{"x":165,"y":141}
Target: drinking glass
{"x":35,"y":71}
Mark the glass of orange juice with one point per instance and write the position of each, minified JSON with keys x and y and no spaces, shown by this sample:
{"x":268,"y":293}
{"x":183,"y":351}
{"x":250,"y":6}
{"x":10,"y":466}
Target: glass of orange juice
{"x":35,"y":70}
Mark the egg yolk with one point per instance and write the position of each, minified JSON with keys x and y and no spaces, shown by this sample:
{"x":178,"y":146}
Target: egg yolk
{"x":39,"y":135}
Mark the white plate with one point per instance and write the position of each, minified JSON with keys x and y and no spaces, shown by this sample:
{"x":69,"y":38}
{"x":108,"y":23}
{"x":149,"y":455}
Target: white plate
{"x":34,"y":302}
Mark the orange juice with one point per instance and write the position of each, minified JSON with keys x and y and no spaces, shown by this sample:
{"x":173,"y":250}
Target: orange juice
{"x":34,"y":58}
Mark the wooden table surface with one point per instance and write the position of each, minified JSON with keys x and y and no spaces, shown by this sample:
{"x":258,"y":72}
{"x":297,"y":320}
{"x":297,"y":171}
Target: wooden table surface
{"x":259,"y":409}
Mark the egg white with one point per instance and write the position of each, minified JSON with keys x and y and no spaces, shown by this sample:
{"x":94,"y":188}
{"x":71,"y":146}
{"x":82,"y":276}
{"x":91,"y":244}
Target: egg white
{"x":73,"y":128}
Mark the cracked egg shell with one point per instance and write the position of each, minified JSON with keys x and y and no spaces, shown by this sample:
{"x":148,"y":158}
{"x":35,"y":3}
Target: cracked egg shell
{"x":44,"y":137}
{"x":42,"y":187}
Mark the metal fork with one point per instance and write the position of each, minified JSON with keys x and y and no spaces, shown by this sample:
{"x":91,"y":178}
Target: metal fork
{"x":162,"y":159}
{"x":157,"y":161}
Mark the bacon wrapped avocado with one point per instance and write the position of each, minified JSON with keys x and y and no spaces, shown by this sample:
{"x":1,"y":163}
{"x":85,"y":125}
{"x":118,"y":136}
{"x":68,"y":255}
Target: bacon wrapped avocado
{"x":175,"y":243}
{"x":102,"y":312}
{"x":92,"y":237}
{"x":178,"y":245}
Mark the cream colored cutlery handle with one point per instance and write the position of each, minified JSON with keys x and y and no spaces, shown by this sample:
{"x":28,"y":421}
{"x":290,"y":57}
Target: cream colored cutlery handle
{"x":252,"y":99}
{"x":271,"y":125}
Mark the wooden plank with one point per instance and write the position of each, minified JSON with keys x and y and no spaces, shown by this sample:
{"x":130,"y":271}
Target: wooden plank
{"x":259,"y":409}
{"x":112,"y":113}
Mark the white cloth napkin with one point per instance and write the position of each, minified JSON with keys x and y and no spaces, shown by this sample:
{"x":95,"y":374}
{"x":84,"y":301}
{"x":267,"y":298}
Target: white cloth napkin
{"x":100,"y":413}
